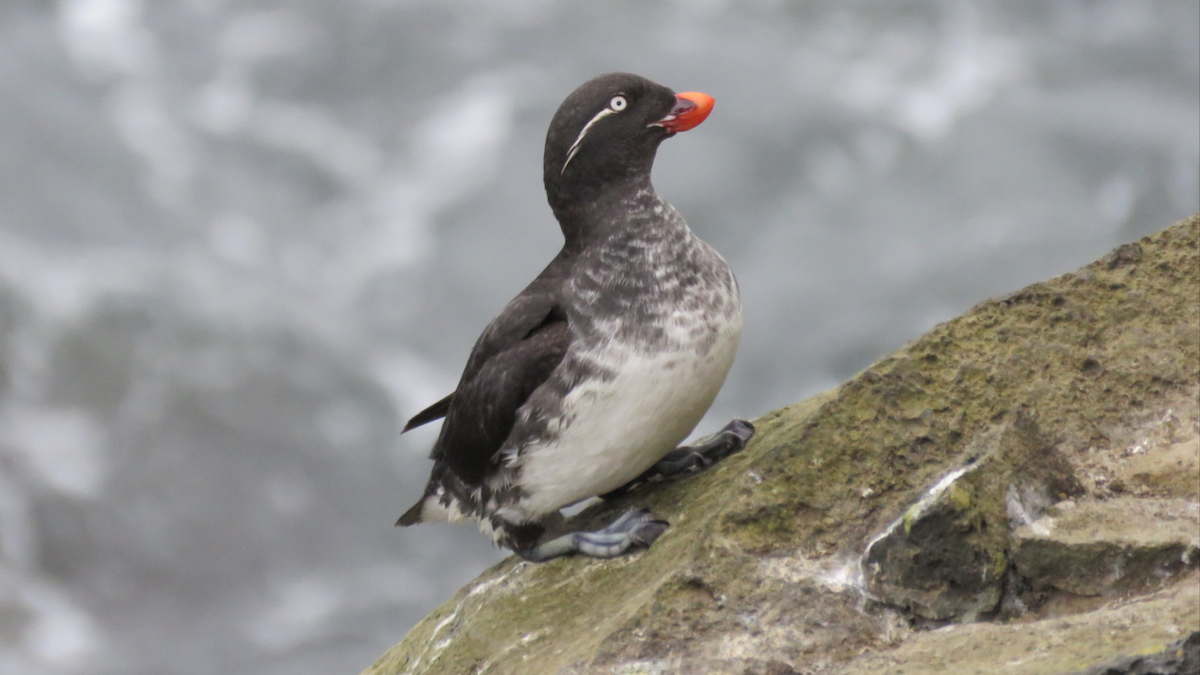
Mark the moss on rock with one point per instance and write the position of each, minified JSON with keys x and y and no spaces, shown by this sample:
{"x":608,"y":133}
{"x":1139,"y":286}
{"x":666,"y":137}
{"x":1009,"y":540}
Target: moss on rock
{"x":947,"y":556}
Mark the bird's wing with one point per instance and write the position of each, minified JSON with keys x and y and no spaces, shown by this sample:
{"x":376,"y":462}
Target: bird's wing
{"x":434,"y":412}
{"x":514,"y":356}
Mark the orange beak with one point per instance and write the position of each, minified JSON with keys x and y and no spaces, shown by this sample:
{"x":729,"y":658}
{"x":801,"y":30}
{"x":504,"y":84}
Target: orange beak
{"x":691,"y":108}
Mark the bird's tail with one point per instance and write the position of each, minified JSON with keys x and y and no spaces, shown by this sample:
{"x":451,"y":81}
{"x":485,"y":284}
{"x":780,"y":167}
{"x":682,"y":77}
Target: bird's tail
{"x":413,"y":515}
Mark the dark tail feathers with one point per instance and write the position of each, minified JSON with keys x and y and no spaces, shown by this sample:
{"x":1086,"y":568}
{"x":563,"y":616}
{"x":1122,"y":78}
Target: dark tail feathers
{"x":413,"y":515}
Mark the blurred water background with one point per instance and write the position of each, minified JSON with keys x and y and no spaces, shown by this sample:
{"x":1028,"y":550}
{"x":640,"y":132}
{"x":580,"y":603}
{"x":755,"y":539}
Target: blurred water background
{"x":242,"y":240}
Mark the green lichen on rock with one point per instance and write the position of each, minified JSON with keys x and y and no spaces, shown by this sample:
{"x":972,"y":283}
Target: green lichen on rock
{"x":949,"y":559}
{"x":1087,"y":351}
{"x":758,"y":571}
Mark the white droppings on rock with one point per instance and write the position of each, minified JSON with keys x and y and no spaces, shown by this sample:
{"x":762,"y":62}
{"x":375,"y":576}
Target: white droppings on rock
{"x":916,"y":510}
{"x":435,"y":647}
{"x":840,"y":574}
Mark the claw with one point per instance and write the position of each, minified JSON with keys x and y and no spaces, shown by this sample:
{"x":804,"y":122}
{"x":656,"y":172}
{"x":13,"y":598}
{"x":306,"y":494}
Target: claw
{"x":740,"y":429}
{"x":648,"y":532}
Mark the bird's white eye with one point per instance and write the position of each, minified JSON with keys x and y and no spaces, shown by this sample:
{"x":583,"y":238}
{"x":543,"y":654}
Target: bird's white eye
{"x":617,"y":103}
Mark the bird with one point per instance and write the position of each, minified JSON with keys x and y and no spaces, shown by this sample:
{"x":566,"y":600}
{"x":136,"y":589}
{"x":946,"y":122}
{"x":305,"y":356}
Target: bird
{"x":587,"y":381}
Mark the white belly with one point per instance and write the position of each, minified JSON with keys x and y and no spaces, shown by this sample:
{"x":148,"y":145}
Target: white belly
{"x":612,"y":431}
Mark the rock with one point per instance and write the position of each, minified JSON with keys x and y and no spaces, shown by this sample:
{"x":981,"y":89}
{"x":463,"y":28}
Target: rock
{"x":1114,"y":546}
{"x":1148,"y":625}
{"x":1181,"y":658}
{"x":1167,"y":469}
{"x":947,"y":556}
{"x":761,"y":572}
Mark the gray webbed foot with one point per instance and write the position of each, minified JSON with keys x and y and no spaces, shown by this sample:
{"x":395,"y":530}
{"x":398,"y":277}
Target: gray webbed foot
{"x":732,"y":438}
{"x":635,"y":529}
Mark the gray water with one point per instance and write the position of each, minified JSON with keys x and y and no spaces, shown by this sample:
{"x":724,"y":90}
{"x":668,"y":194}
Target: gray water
{"x":240,"y":242}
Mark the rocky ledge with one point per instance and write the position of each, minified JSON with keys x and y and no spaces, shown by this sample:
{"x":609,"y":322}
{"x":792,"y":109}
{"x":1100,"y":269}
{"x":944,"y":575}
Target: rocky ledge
{"x":1015,"y":492}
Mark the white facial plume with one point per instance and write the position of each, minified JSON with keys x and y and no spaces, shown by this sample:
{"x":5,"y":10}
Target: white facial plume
{"x":615,"y":105}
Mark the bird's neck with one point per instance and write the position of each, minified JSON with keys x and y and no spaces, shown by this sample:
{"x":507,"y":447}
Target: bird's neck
{"x":592,"y":213}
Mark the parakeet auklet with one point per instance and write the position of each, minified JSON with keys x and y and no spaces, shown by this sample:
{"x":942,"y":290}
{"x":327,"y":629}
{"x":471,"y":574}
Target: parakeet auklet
{"x":593,"y":374}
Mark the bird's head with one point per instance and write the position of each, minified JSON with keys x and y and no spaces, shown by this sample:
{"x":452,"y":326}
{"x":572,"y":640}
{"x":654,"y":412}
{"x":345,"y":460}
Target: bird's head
{"x":605,"y":134}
